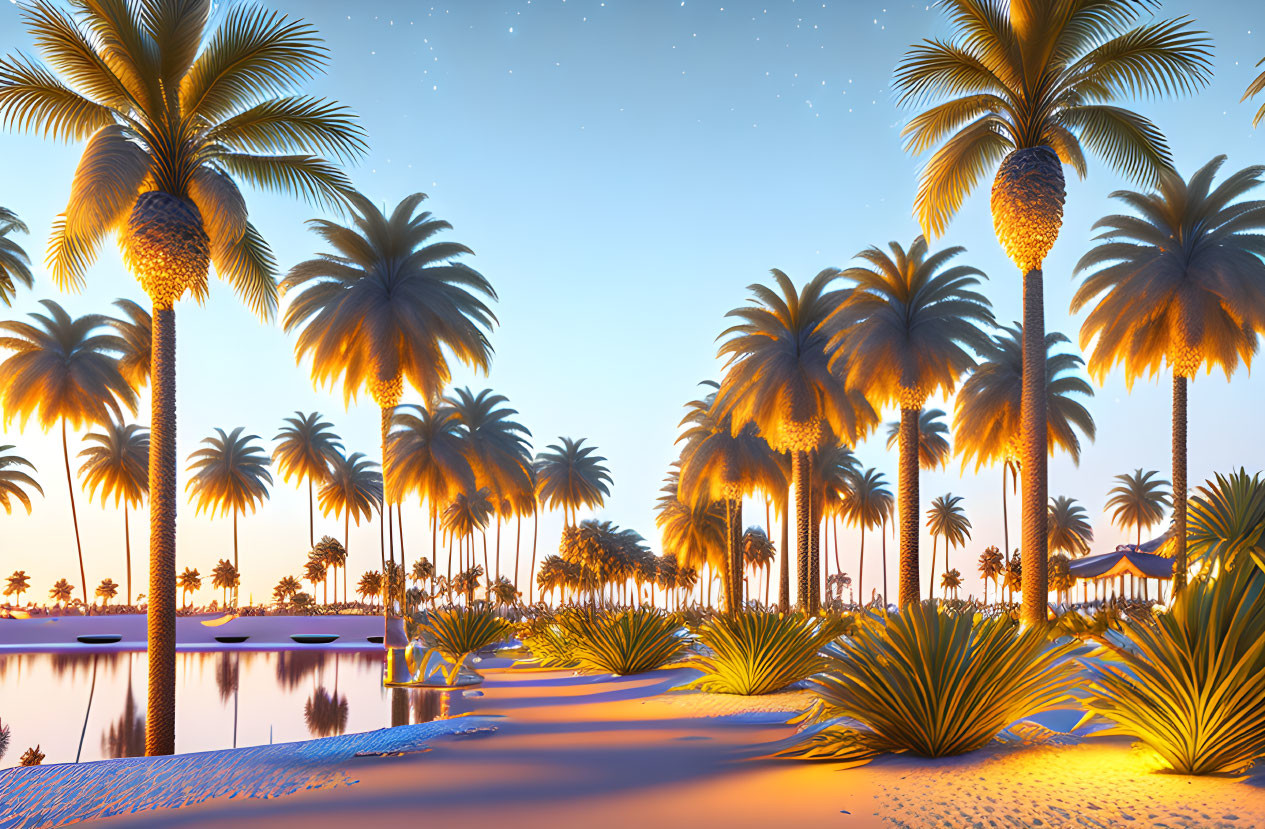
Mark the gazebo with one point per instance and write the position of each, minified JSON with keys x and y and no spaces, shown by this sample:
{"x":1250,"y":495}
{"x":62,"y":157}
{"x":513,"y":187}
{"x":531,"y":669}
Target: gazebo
{"x":1137,"y":560}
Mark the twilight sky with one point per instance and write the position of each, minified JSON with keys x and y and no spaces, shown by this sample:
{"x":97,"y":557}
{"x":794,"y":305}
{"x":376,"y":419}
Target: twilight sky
{"x":623,"y":170}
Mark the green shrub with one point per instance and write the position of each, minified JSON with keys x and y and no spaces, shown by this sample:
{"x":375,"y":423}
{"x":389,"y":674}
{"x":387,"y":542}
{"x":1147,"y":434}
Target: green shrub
{"x":1190,"y":682}
{"x":549,"y":639}
{"x":623,"y":642}
{"x":458,"y":632}
{"x":757,"y":653}
{"x":932,"y":682}
{"x":1081,"y":626}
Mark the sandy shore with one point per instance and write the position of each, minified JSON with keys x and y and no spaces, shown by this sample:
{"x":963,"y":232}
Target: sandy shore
{"x":627,"y":752}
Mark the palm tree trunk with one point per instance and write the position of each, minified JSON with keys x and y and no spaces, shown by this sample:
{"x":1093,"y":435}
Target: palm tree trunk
{"x":1179,"y":485}
{"x":931,"y":588}
{"x":384,"y":426}
{"x":784,"y":566}
{"x":74,"y":516}
{"x":886,"y":600}
{"x":535,"y":532}
{"x":1005,"y":513}
{"x":92,"y":691}
{"x":311,"y":518}
{"x":399,"y":521}
{"x":497,"y":560}
{"x":346,"y":553}
{"x":160,"y":720}
{"x":1033,"y":436}
{"x":237,"y":573}
{"x":907,"y":496}
{"x":814,"y":546}
{"x":861,"y":567}
{"x":518,"y":545}
{"x":799,"y":475}
{"x":127,"y":547}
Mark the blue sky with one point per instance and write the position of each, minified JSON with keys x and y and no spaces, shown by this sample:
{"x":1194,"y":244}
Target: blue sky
{"x":623,"y":170}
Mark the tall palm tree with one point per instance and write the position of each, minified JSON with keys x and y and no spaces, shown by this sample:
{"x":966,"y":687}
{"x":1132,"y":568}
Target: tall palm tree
{"x":1023,"y":88}
{"x":306,"y":447}
{"x":946,"y":519}
{"x":66,"y":370}
{"x":986,"y":413}
{"x":17,"y":584}
{"x":498,"y":451}
{"x":694,"y":534}
{"x":229,"y":475}
{"x":933,"y":439}
{"x":175,"y":114}
{"x":1069,"y":528}
{"x":225,"y":577}
{"x":1178,"y":282}
{"x":919,"y":321}
{"x":865,"y":504}
{"x":106,"y":590}
{"x":428,"y":457}
{"x":15,"y":265}
{"x":14,"y":482}
{"x":352,"y":491}
{"x":722,"y":464}
{"x":570,"y":476}
{"x":135,"y":328}
{"x":469,"y":512}
{"x":991,"y":565}
{"x":118,"y":464}
{"x":333,"y":555}
{"x":61,"y":592}
{"x":287,"y":588}
{"x":778,"y":377}
{"x":388,"y":305}
{"x":190,"y":581}
{"x":1138,"y":500}
{"x":951,"y":581}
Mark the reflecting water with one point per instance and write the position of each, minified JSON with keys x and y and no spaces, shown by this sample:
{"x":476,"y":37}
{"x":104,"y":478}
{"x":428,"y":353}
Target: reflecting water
{"x":92,"y":706}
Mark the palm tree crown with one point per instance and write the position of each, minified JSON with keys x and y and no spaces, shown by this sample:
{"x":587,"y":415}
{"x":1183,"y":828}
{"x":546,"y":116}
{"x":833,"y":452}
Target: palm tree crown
{"x":14,"y":482}
{"x":570,"y":475}
{"x":230,"y":473}
{"x":306,"y":447}
{"x":353,"y":488}
{"x":428,"y":453}
{"x":136,"y":331}
{"x":496,"y":446}
{"x":1138,"y":500}
{"x":1069,"y":528}
{"x":933,"y":438}
{"x":15,"y":265}
{"x":986,"y":412}
{"x":947,"y":519}
{"x":117,"y":463}
{"x":1041,"y":73}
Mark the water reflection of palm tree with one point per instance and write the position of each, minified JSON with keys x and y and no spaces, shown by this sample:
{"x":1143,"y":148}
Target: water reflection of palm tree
{"x":293,"y":666}
{"x":126,"y":737}
{"x":92,"y":690}
{"x":325,"y":714}
{"x":227,"y":678}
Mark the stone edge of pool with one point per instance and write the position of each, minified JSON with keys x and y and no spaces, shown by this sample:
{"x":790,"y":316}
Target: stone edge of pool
{"x":60,"y":633}
{"x":39,"y":796}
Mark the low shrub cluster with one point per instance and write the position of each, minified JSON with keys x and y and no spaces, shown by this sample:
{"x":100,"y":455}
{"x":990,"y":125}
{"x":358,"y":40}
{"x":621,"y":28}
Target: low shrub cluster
{"x":458,"y":632}
{"x":758,"y":653}
{"x":619,"y":642}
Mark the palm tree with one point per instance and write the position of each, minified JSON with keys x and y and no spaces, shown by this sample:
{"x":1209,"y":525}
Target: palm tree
{"x":225,"y":577}
{"x":388,"y":305}
{"x":287,"y":589}
{"x":14,"y":482}
{"x":918,"y":322}
{"x":469,"y":512}
{"x":1253,"y":89}
{"x":778,"y":377}
{"x":496,"y":447}
{"x":118,"y":464}
{"x":229,"y":475}
{"x":15,"y":265}
{"x":991,"y":565}
{"x":67,"y":371}
{"x":17,"y":584}
{"x":370,"y":585}
{"x":946,"y":519}
{"x":951,"y":580}
{"x":758,"y":553}
{"x":333,"y":555}
{"x":428,"y":458}
{"x":314,"y":573}
{"x":175,"y":114}
{"x":352,"y":491}
{"x":570,"y":476}
{"x":1069,"y":530}
{"x":306,"y":448}
{"x":190,"y":581}
{"x":61,"y":592}
{"x":986,"y":414}
{"x":933,"y":439}
{"x":136,"y":331}
{"x":1025,"y":88}
{"x":865,"y":504}
{"x":107,"y":590}
{"x":1138,"y":500}
{"x":695,"y":534}
{"x":1179,"y":282}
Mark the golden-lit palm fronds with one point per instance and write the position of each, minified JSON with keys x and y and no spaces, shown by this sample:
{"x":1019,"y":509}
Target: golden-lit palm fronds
{"x":352,"y":491}
{"x":933,"y":439}
{"x":496,"y":446}
{"x":1025,"y":74}
{"x":694,"y":534}
{"x":986,"y":411}
{"x":190,"y":581}
{"x":14,"y":482}
{"x":1253,"y":89}
{"x":1189,"y":683}
{"x":428,"y":454}
{"x":569,"y":476}
{"x":760,"y":653}
{"x":931,"y":682}
{"x":306,"y":447}
{"x":946,"y":519}
{"x":15,"y":265}
{"x":1069,"y":529}
{"x":136,"y":330}
{"x":229,"y":474}
{"x":117,"y":463}
{"x":867,"y":504}
{"x":1138,"y":500}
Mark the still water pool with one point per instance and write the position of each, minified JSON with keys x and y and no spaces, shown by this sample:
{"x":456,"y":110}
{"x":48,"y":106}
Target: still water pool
{"x":92,"y":706}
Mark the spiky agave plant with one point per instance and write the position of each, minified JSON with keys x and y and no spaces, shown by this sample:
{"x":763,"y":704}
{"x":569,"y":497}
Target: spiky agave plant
{"x":624,"y":642}
{"x":758,"y":653}
{"x":1227,"y":520}
{"x":457,"y":632}
{"x":1190,"y":683}
{"x":932,"y":682}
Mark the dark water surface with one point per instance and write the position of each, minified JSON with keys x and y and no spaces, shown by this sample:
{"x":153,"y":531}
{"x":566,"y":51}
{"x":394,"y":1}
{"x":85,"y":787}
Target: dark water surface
{"x":92,"y":706}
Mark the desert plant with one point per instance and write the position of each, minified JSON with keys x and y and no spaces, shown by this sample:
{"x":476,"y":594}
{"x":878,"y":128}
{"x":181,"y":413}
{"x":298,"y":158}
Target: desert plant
{"x":1227,"y":519}
{"x":933,"y":682}
{"x":758,"y":653}
{"x":624,"y":642}
{"x":1190,"y":682}
{"x":550,"y":641}
{"x":458,"y":632}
